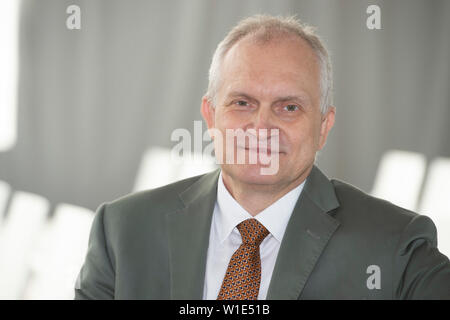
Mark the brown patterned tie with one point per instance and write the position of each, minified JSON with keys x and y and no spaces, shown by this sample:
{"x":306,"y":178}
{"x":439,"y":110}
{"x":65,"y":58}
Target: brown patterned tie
{"x":243,"y":276}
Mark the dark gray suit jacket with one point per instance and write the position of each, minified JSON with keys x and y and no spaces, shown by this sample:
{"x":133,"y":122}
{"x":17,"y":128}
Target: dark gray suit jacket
{"x":340,"y":243}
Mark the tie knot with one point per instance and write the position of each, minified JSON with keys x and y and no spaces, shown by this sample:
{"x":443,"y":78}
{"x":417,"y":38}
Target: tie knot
{"x":252,"y":232}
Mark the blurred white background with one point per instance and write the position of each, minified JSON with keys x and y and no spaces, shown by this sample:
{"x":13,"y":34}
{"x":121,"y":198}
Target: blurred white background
{"x":86,"y":115}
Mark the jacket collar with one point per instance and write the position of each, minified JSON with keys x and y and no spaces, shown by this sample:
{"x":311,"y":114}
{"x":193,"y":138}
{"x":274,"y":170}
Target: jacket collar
{"x":310,"y":228}
{"x":188,"y":231}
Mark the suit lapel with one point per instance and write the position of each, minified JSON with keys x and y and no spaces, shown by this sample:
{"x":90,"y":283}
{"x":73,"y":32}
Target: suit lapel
{"x":188,"y":231}
{"x":308,"y":232}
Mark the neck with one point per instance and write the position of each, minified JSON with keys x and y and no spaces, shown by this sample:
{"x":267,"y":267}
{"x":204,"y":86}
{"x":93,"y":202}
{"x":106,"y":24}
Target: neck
{"x":256,"y":197}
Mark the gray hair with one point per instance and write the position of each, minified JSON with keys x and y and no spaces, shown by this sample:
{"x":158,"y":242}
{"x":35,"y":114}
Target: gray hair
{"x":265,"y":28}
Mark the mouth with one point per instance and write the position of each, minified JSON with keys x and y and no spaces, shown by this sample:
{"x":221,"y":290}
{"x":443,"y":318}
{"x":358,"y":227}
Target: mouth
{"x":268,"y":151}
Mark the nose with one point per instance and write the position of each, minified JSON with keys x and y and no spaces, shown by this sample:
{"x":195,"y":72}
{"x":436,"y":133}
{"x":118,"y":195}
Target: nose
{"x":263,"y":119}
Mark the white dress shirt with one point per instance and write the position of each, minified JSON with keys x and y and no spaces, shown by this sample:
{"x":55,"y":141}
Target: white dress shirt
{"x":225,"y":239}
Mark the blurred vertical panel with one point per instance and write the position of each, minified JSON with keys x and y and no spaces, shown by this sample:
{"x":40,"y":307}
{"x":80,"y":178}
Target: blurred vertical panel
{"x":60,"y":254}
{"x":9,"y":33}
{"x":25,"y":218}
{"x":5,"y":190}
{"x":435,"y":200}
{"x":399,"y":178}
{"x":158,"y":167}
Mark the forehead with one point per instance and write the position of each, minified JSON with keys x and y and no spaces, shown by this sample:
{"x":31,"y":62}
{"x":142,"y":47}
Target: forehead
{"x":285,"y":65}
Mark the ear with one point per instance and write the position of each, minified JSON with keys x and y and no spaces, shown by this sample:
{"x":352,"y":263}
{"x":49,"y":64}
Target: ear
{"x":208,"y":112}
{"x":326,"y":125}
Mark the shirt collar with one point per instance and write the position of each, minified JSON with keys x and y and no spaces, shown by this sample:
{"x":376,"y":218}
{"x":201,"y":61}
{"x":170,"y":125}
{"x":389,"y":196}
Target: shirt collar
{"x":274,"y":218}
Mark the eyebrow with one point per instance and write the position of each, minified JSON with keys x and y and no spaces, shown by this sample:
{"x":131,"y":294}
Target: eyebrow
{"x":302,"y":98}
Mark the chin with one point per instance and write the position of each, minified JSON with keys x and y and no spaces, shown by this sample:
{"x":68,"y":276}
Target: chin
{"x":250,"y":173}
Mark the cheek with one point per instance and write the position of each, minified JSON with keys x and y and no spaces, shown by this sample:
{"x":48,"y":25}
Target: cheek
{"x":229,"y":120}
{"x":303,"y":141}
{"x":223,"y":122}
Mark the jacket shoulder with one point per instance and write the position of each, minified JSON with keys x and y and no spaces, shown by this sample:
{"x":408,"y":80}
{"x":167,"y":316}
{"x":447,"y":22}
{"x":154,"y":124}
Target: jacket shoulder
{"x":379,"y":223}
{"x":152,"y":202}
{"x":357,"y":204}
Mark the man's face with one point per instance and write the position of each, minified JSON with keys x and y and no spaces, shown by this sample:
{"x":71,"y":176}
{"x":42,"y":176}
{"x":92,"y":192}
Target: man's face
{"x":271,"y":86}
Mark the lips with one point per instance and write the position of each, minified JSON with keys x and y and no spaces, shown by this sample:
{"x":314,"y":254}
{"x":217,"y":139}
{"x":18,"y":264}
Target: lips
{"x":262,"y":150}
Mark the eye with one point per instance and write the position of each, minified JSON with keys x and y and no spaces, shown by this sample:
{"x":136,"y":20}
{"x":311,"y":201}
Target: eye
{"x":291,"y":107}
{"x":242,"y":103}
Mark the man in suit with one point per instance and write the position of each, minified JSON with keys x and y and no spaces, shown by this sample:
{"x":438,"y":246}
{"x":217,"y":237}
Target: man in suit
{"x":236,"y":233}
